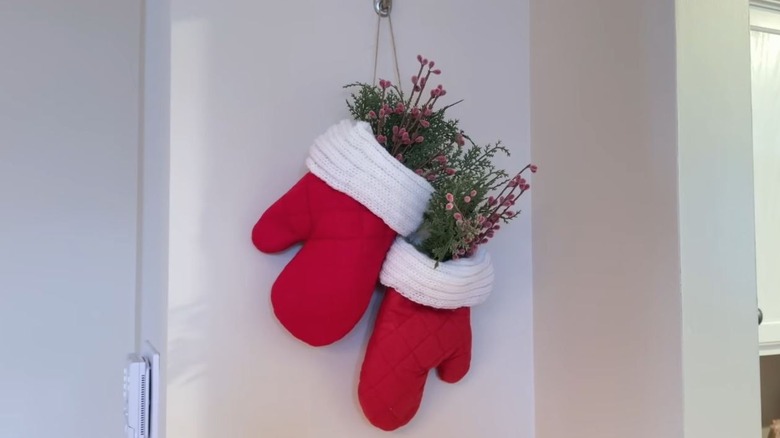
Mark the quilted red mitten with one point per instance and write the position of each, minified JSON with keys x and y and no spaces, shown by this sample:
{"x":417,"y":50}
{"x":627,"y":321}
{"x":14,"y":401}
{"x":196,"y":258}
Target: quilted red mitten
{"x":423,"y":323}
{"x":346,"y":212}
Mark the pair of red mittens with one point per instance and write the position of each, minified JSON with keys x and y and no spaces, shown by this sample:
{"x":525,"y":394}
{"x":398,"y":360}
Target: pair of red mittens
{"x":424,"y":323}
{"x":346,"y":212}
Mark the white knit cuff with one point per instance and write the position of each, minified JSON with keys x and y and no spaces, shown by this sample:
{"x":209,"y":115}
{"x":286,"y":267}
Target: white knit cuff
{"x":455,"y":283}
{"x":349,"y":159}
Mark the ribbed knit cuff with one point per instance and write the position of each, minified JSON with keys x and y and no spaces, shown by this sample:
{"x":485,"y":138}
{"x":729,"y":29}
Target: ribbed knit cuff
{"x":349,"y":159}
{"x":456,"y":283}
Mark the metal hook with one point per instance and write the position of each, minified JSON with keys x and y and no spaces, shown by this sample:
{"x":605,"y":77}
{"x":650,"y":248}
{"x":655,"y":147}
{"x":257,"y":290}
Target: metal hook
{"x":383,"y":7}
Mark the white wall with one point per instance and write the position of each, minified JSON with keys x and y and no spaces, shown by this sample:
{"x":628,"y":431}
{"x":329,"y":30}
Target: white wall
{"x":607,"y":303}
{"x":253,"y":85}
{"x":69,"y":107}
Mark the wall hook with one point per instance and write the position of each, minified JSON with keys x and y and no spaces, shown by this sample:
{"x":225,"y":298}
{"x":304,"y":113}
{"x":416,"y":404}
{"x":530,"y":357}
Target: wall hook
{"x":383,"y":7}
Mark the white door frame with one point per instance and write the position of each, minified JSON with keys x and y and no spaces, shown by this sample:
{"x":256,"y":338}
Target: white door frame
{"x":766,"y":4}
{"x":765,"y":17}
{"x":721,"y":384}
{"x":153,"y":207}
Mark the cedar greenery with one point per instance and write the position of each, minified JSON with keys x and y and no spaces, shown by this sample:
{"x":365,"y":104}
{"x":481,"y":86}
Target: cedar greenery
{"x":462,"y":213}
{"x":419,"y":138}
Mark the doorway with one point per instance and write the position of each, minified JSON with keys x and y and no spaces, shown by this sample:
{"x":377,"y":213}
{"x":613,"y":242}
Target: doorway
{"x":765,"y":78}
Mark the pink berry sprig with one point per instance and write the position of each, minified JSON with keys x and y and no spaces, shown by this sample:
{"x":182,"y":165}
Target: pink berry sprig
{"x":464,"y":215}
{"x":498,"y":208}
{"x":415,"y":117}
{"x":467,"y":225}
{"x":436,"y":167}
{"x":411,"y":126}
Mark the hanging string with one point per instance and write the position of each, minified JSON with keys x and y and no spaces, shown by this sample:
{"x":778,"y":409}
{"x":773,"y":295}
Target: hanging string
{"x":376,"y":46}
{"x":395,"y":52}
{"x":392,"y":42}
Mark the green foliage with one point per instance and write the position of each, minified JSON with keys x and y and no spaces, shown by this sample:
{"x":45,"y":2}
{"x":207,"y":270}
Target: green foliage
{"x":369,"y":98}
{"x":454,"y":227}
{"x":461,"y":214}
{"x":476,"y":165}
{"x":439,"y":138}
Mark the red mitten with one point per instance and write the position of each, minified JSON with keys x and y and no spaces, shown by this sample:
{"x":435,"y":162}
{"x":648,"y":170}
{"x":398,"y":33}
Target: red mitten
{"x":423,"y":323}
{"x":346,"y":212}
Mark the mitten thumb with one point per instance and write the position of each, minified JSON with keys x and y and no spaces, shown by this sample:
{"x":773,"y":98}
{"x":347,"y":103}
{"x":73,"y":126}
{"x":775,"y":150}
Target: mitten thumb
{"x":456,"y":366}
{"x":288,"y":220}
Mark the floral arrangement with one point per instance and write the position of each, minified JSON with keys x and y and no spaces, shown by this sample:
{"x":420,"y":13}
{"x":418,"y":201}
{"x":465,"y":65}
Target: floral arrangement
{"x":472,"y":197}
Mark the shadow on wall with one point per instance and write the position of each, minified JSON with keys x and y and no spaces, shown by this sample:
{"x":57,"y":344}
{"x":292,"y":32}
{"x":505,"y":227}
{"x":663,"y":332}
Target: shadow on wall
{"x":189,"y":320}
{"x":186,"y":343}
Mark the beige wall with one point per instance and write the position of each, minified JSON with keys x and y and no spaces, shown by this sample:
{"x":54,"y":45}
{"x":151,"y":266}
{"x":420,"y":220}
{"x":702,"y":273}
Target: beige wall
{"x":644,"y":267}
{"x":253,"y":84}
{"x":606,"y":249}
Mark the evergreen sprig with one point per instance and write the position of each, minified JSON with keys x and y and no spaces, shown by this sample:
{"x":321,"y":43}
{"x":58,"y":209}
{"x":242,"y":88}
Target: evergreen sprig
{"x":467,"y":208}
{"x":410,"y":128}
{"x":472,"y":196}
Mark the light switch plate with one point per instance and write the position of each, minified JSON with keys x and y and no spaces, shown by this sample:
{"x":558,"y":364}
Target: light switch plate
{"x":152,"y":357}
{"x":142,"y":393}
{"x":136,"y":395}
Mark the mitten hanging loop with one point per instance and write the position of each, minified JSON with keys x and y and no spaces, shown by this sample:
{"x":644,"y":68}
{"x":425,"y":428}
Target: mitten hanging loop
{"x":383,"y":8}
